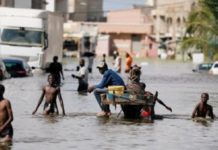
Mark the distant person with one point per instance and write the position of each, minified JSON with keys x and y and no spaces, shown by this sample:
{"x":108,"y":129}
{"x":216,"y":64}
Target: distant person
{"x":109,"y":78}
{"x":82,"y":77}
{"x":128,"y":63}
{"x":203,"y":109}
{"x":50,"y":92}
{"x":117,"y":63}
{"x":115,"y":54}
{"x":6,"y":117}
{"x":90,"y":63}
{"x":104,"y":58}
{"x":88,"y":51}
{"x":55,"y":68}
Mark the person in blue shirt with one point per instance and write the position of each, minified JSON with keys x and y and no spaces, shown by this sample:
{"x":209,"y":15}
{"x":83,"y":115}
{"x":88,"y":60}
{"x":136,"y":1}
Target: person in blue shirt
{"x":109,"y":78}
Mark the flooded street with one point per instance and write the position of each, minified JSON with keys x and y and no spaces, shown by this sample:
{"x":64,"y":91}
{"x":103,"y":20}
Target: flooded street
{"x":80,"y":129}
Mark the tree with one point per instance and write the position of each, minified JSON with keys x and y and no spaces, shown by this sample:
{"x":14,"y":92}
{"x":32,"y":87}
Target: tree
{"x":202,"y":27}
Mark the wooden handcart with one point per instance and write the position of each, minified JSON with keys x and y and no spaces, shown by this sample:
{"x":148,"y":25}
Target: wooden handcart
{"x":131,"y":105}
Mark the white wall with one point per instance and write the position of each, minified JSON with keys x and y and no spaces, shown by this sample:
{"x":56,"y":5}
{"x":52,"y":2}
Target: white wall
{"x":149,"y":2}
{"x":50,"y":5}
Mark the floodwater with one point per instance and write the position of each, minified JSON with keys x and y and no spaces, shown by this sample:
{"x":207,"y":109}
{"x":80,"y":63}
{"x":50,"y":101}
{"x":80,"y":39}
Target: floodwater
{"x":80,"y":129}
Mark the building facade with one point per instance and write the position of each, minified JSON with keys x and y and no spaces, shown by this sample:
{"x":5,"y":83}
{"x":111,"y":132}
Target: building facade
{"x":170,"y":18}
{"x":85,"y":10}
{"x":128,"y":30}
{"x":7,"y":3}
{"x":76,"y":10}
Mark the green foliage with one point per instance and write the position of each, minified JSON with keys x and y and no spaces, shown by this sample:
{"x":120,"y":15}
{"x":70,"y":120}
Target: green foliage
{"x":215,"y":57}
{"x":213,"y":6}
{"x":202,"y":27}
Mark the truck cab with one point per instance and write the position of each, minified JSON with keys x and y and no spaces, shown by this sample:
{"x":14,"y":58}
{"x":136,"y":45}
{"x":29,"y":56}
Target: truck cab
{"x":34,"y":35}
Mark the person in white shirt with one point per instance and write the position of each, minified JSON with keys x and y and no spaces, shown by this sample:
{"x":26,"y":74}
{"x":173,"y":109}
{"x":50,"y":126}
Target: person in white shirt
{"x":117,"y":63}
{"x":82,"y":77}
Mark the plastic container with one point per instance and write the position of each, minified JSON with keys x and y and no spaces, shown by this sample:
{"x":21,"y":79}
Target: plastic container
{"x":110,"y":96}
{"x":117,"y":90}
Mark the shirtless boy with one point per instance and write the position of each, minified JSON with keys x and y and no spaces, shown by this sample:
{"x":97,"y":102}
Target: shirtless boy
{"x":203,"y":109}
{"x":50,"y":92}
{"x":6,"y":117}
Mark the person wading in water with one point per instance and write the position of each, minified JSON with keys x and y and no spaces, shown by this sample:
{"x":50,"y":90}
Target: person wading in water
{"x":50,"y":92}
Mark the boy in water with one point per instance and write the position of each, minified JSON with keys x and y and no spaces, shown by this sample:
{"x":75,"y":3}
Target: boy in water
{"x":6,"y":117}
{"x":50,"y":91}
{"x":203,"y":109}
{"x":145,"y":112}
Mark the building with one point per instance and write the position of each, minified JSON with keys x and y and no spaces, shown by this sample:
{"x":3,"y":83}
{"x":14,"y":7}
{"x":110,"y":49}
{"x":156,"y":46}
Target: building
{"x":6,"y":3}
{"x":169,"y":18}
{"x":76,"y":10}
{"x":129,"y":31}
{"x":80,"y":10}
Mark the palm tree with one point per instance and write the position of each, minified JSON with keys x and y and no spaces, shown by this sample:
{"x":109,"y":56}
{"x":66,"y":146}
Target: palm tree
{"x":201,"y":29}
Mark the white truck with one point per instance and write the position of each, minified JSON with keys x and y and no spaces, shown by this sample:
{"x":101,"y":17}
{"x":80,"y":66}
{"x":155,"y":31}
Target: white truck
{"x":35,"y":35}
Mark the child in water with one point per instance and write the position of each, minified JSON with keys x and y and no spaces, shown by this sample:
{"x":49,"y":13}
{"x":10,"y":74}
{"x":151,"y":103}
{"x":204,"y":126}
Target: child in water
{"x":146,"y":111}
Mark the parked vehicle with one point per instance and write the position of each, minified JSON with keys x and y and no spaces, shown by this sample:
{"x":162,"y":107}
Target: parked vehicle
{"x":35,"y":35}
{"x":204,"y":67}
{"x":70,"y":48}
{"x":214,"y":68}
{"x":17,"y":67}
{"x":3,"y":72}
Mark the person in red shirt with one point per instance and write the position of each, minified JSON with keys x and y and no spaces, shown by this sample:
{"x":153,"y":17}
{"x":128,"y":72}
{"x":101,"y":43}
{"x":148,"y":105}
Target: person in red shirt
{"x":128,"y":63}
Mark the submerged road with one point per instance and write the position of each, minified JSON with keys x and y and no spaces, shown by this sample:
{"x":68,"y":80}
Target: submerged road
{"x":80,"y":129}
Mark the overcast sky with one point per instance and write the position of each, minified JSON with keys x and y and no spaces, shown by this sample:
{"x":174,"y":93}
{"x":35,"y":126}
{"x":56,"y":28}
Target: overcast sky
{"x":120,"y":4}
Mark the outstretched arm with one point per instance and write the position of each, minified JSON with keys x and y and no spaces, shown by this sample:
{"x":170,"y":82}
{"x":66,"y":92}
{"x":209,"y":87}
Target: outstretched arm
{"x":195,"y":111}
{"x":162,"y":103}
{"x":10,"y":116}
{"x":78,"y":77}
{"x":210,"y":112}
{"x":40,"y":101}
{"x":61,"y":71}
{"x":61,"y":101}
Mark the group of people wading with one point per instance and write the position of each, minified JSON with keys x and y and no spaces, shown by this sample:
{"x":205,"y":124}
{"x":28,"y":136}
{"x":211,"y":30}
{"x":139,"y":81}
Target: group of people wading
{"x":51,"y":91}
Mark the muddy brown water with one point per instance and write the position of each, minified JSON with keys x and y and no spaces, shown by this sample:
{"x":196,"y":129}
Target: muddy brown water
{"x":80,"y":129}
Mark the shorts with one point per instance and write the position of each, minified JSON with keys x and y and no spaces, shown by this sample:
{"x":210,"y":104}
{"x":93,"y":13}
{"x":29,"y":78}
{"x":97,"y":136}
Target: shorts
{"x":7,"y":131}
{"x":50,"y":107}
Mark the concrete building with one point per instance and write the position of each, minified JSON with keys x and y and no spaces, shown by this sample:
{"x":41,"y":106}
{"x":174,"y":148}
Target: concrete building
{"x":76,"y":10}
{"x":86,"y":10}
{"x":129,"y":31}
{"x":6,"y":3}
{"x":125,"y":30}
{"x":169,"y":18}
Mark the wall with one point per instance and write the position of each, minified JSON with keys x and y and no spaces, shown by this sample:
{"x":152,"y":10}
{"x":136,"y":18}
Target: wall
{"x":134,"y":17}
{"x":121,"y":42}
{"x":103,"y":45}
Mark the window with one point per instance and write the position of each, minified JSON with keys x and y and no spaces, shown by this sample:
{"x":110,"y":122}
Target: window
{"x":22,"y":36}
{"x":216,"y":66}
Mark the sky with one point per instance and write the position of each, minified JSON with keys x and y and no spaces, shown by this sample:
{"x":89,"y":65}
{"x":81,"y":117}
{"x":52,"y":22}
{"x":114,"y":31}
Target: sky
{"x":120,"y":4}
